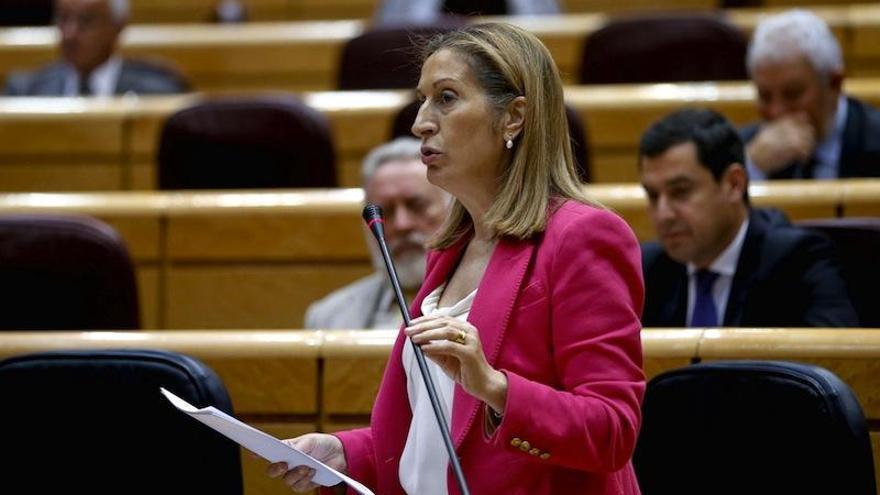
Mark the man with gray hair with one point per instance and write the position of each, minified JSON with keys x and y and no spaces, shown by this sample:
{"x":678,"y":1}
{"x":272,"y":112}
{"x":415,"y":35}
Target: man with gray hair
{"x":810,"y":129}
{"x":394,"y":178}
{"x":88,"y":32}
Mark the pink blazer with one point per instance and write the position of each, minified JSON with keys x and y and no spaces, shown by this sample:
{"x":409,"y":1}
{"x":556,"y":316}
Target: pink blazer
{"x":559,"y":315}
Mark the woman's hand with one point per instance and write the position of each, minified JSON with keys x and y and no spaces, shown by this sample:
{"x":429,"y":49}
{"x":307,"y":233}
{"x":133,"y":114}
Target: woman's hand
{"x":325,"y":448}
{"x":455,"y":346}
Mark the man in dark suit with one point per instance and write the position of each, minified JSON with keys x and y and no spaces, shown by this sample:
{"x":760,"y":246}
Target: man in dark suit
{"x":88,"y":31}
{"x":719,"y":262}
{"x":809,"y":128}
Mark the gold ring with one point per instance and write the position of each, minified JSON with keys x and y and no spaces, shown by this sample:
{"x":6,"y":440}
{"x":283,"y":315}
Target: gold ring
{"x":460,"y":338}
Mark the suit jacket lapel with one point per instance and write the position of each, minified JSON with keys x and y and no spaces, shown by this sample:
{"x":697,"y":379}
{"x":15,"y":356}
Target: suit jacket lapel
{"x":851,"y":141}
{"x":674,"y":309}
{"x":490,"y":313}
{"x":746,"y":270}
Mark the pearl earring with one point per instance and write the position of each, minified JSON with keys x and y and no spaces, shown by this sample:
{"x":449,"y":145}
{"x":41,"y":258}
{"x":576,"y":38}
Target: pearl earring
{"x":509,"y":143}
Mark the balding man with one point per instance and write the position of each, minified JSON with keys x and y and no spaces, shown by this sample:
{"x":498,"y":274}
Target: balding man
{"x":89,"y":65}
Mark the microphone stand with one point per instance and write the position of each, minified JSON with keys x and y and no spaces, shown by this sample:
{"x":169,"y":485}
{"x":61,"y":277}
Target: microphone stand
{"x":373,"y":216}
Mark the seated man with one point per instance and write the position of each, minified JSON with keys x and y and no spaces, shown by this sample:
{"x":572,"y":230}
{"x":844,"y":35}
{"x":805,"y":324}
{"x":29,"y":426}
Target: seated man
{"x":394,"y":178}
{"x":89,"y":30}
{"x":809,"y":129}
{"x":718,"y":261}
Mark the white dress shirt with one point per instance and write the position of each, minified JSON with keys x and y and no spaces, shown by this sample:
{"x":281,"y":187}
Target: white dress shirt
{"x":424,"y":462}
{"x":102,"y":80}
{"x":725,"y":266}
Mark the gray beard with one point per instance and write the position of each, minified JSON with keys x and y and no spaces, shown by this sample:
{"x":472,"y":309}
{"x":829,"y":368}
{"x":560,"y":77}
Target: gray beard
{"x":410,"y":267}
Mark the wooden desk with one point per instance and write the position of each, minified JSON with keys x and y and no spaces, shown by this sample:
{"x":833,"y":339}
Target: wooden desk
{"x":291,"y":382}
{"x":170,"y":11}
{"x":297,"y":56}
{"x":111,"y":144}
{"x":258,"y":259}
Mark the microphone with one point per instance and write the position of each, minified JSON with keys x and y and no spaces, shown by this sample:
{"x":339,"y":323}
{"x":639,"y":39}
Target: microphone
{"x":373,"y":216}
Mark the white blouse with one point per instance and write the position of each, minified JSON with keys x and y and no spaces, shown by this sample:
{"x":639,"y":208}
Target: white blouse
{"x":424,"y":462}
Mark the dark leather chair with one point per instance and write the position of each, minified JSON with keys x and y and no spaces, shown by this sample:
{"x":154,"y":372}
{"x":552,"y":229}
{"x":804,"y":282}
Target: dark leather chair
{"x":238,"y":143}
{"x":475,"y":7}
{"x":580,"y":145}
{"x":664,"y":48}
{"x":95,"y":422}
{"x":858,"y":245}
{"x":387,"y":57}
{"x":26,"y":12}
{"x":757,"y":427}
{"x":65,"y":273}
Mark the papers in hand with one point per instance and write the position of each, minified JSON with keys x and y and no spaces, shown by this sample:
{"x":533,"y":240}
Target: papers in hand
{"x":263,"y":444}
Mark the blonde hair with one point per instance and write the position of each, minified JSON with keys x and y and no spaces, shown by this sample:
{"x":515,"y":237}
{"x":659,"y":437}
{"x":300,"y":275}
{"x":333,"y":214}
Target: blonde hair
{"x":508,"y":62}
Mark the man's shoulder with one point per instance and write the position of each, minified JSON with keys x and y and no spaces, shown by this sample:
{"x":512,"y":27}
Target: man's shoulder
{"x":748,"y":131}
{"x":343,"y":301}
{"x":653,"y":255}
{"x":781,"y":243}
{"x":149,"y":77}
{"x":869,"y":117}
{"x":42,"y":81}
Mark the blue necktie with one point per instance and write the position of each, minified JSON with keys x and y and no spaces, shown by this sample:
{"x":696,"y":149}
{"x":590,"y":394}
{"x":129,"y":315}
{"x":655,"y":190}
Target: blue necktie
{"x":705,"y":313}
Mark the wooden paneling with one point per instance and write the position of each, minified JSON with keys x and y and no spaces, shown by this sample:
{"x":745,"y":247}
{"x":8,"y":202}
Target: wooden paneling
{"x":615,"y":117}
{"x":304,"y":55}
{"x":859,"y":200}
{"x":234,"y":295}
{"x":276,"y":377}
{"x":250,"y":259}
{"x":148,"y":295}
{"x":274,"y":234}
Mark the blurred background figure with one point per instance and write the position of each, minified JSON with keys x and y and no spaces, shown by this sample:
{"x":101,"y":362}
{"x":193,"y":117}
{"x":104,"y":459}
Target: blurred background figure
{"x":423,"y":11}
{"x":810,"y":129}
{"x":230,"y":11}
{"x":719,"y":262}
{"x":393,"y":178}
{"x":88,"y":32}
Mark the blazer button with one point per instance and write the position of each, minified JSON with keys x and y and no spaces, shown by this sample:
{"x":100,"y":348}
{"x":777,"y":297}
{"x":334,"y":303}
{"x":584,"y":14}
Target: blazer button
{"x":525,"y":446}
{"x":534,"y":452}
{"x":515,"y":442}
{"x":544,"y":456}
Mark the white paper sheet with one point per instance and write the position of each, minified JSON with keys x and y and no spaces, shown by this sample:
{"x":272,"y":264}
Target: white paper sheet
{"x":263,"y":444}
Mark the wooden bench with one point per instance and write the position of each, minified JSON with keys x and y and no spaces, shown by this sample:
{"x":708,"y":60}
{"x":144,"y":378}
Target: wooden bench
{"x":171,"y":11}
{"x":111,"y":144}
{"x":304,"y":55}
{"x":249,"y":259}
{"x":291,"y":382}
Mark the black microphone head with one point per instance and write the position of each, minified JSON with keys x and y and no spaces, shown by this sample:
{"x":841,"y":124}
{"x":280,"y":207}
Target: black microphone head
{"x":373,"y":217}
{"x":372,"y":213}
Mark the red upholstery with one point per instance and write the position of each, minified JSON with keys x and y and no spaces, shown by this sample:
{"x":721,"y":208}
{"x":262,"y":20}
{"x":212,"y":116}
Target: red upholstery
{"x":65,"y":273}
{"x":258,"y":142}
{"x":664,"y":48}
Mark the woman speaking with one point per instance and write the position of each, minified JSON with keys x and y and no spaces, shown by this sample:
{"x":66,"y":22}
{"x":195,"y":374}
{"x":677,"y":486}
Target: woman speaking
{"x":529,"y":312}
